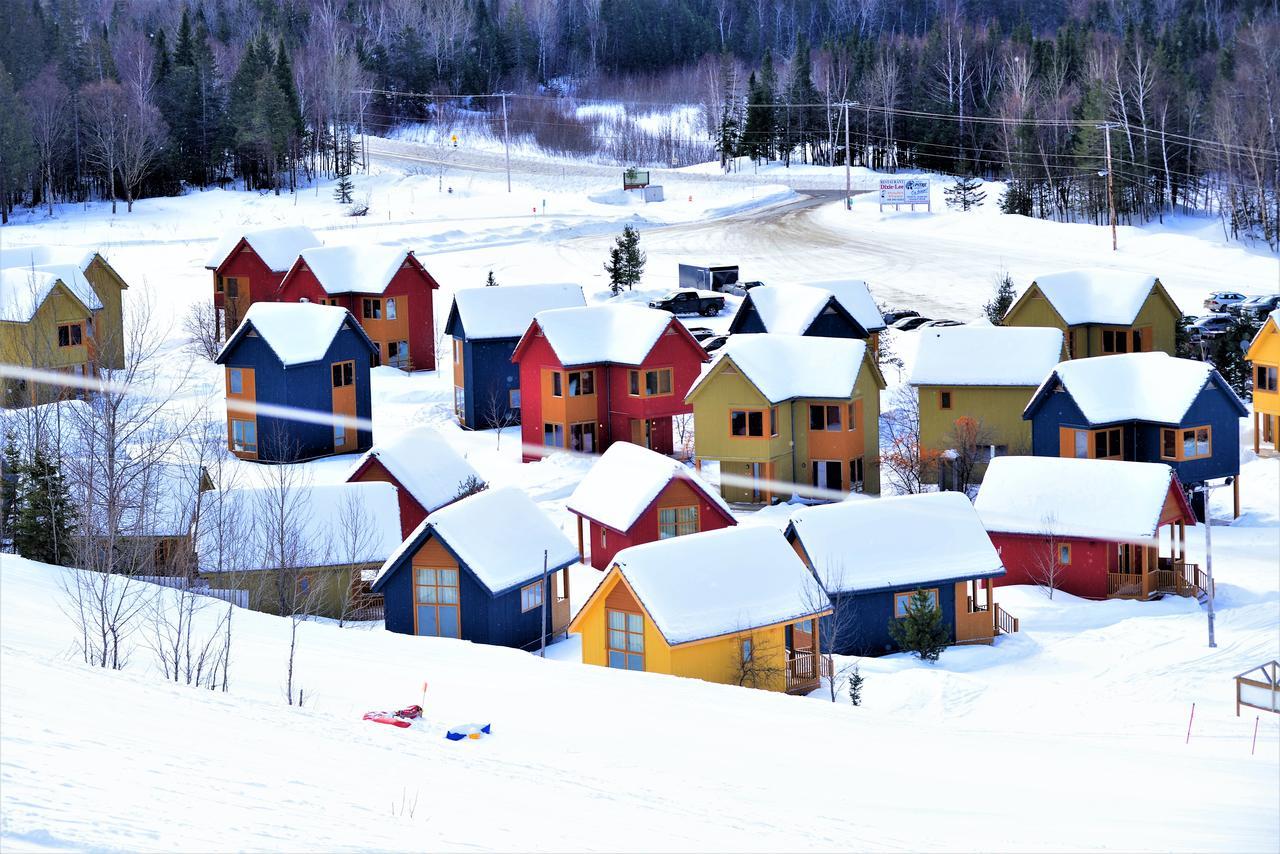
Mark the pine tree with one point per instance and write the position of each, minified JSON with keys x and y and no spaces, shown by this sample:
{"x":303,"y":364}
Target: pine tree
{"x":17,"y":150}
{"x":633,"y":257}
{"x":965,"y":193}
{"x":10,"y":476}
{"x":729,"y":127}
{"x":921,"y":631}
{"x":999,"y":305}
{"x":46,"y":517}
{"x":162,"y":56}
{"x":284,"y":79}
{"x":490,"y":281}
{"x":616,"y":267}
{"x":802,"y":118}
{"x":753,"y":141}
{"x":769,"y":96}
{"x":855,"y":686}
{"x":183,"y":48}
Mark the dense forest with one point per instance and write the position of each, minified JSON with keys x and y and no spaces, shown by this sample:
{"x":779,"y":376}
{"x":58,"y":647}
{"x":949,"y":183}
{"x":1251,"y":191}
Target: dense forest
{"x":132,"y":98}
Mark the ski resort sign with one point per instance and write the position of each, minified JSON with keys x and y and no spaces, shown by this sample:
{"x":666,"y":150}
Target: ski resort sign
{"x":904,"y":191}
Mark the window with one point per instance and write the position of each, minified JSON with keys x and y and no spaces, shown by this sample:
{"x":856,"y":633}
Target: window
{"x":70,"y":335}
{"x":391,"y":309}
{"x":748,"y":423}
{"x":626,"y":640}
{"x":304,"y":585}
{"x":1169,"y":444}
{"x":944,"y":400}
{"x":901,"y":601}
{"x":457,"y":352}
{"x":773,"y":421}
{"x":1081,"y":444}
{"x":1195,"y":443}
{"x":604,"y":538}
{"x":1265,"y":378}
{"x":582,"y":437}
{"x":244,"y":436}
{"x":371,"y":309}
{"x":823,"y":417}
{"x":1064,"y":554}
{"x":582,"y":383}
{"x":344,"y":374}
{"x":220,"y":285}
{"x":513,"y":398}
{"x":398,"y":354}
{"x":557,"y":388}
{"x":1116,"y":340}
{"x":459,"y":400}
{"x":339,"y":435}
{"x":233,"y":287}
{"x":856,"y":475}
{"x":531,"y":596}
{"x":633,"y":383}
{"x":677,"y":521}
{"x":553,"y":435}
{"x":1107,"y":444}
{"x":435,"y":598}
{"x":747,"y":650}
{"x":655,"y":383}
{"x":1138,"y":344}
{"x":855,"y":415}
{"x":235,"y":381}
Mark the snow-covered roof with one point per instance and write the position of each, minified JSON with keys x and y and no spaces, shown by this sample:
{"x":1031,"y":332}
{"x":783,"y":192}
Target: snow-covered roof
{"x":784,"y":367}
{"x":23,"y":291}
{"x":320,"y":521}
{"x":906,"y":540}
{"x":616,"y":333}
{"x":297,"y":332}
{"x":719,"y":582}
{"x":427,"y":466}
{"x":277,"y":247}
{"x":499,"y":534}
{"x":1152,"y":387}
{"x":359,"y":268}
{"x":39,"y":256}
{"x":1096,"y":295}
{"x":506,"y":311}
{"x":1100,"y":499}
{"x":791,"y":309}
{"x":626,"y":480}
{"x":986,"y":355}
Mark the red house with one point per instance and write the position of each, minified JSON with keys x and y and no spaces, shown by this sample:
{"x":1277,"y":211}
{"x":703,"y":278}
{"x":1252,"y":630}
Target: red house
{"x":384,"y":286}
{"x":249,"y":267}
{"x":634,"y":495}
{"x":426,"y":471}
{"x":595,"y":375}
{"x":1098,"y":529}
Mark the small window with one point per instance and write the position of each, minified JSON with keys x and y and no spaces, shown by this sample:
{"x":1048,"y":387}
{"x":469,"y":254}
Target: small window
{"x":235,"y":381}
{"x":339,"y":435}
{"x":391,"y":309}
{"x":944,"y":400}
{"x":1265,"y":378}
{"x":625,"y":640}
{"x":657,"y":383}
{"x":244,"y":436}
{"x":747,"y":650}
{"x":70,"y":335}
{"x":582,"y":383}
{"x":233,"y":287}
{"x":1081,"y":444}
{"x":823,"y":417}
{"x":856,"y":475}
{"x":557,"y":387}
{"x":553,"y":435}
{"x":220,"y":285}
{"x":344,"y":374}
{"x":371,"y":309}
{"x":457,"y":352}
{"x":531,"y":596}
{"x":855,"y":415}
{"x":1107,"y":444}
{"x":1116,"y":340}
{"x":1196,"y":444}
{"x":633,"y":383}
{"x":677,"y":521}
{"x":748,"y":423}
{"x":582,"y":437}
{"x":304,"y":585}
{"x":902,"y":601}
{"x":1064,"y":554}
{"x":1169,"y":444}
{"x":773,"y":421}
{"x":459,"y":400}
{"x":513,"y":398}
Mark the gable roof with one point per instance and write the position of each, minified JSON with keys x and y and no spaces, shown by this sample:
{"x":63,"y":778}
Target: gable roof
{"x":1100,"y":499}
{"x":297,"y":332}
{"x":1152,"y":387}
{"x":1096,"y":295}
{"x":318,"y":515}
{"x":277,"y":247}
{"x":715,"y":583}
{"x":786,"y":367}
{"x":615,"y":333}
{"x":507,"y":310}
{"x":24,"y":290}
{"x":855,"y":296}
{"x":986,"y":355}
{"x":792,"y":309}
{"x":498,"y":535}
{"x":425,"y":465}
{"x":1270,"y":326}
{"x":626,"y":480}
{"x":38,"y":256}
{"x":359,"y":268}
{"x":902,"y":541}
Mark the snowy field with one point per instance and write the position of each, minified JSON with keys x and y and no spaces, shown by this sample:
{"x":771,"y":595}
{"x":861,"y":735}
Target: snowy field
{"x":1067,"y":736}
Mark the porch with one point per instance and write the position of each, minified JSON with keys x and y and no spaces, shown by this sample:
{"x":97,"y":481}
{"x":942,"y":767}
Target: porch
{"x":1137,"y":571}
{"x":979,"y":618}
{"x":805,"y":664}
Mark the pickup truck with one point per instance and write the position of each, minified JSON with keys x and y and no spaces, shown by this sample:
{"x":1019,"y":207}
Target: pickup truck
{"x":690,"y":301}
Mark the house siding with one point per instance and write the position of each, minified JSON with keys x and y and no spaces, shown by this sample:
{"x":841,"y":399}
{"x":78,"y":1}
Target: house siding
{"x":1086,"y":576}
{"x":871,"y":615}
{"x":997,"y":408}
{"x":259,"y":283}
{"x":490,"y":376}
{"x":108,"y":323}
{"x":411,"y":512}
{"x":1085,"y":340}
{"x":677,"y":493}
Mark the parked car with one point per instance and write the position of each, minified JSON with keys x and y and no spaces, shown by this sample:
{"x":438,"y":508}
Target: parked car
{"x":713,"y":344}
{"x":700,"y":333}
{"x":908,"y":323}
{"x":690,"y":301}
{"x":1257,"y":308}
{"x":892,"y":317}
{"x":1210,"y":325}
{"x":1219,"y":300}
{"x":935,"y":323}
{"x":754,"y":283}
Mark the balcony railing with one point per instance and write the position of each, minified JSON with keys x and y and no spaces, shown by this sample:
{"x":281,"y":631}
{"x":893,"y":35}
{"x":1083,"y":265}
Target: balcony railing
{"x":1006,"y":624}
{"x":801,"y":673}
{"x":1181,"y":579}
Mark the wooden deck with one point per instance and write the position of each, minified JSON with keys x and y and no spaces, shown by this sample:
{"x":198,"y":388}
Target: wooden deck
{"x":1178,"y":578}
{"x":806,"y":671}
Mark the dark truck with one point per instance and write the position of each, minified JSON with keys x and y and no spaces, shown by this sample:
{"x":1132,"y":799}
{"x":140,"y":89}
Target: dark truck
{"x":689,"y":301}
{"x":708,"y":278}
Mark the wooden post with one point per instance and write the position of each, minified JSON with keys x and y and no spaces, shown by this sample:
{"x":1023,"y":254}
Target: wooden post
{"x":581,"y":552}
{"x":506,"y":140}
{"x":1235,"y":495}
{"x":565,"y":573}
{"x":1111,"y":193}
{"x":991,"y":607}
{"x":1256,"y":433}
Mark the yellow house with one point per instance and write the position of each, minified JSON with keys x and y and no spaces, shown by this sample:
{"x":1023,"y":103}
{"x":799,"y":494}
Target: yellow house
{"x":791,"y":409}
{"x":973,"y":382}
{"x":735,"y":606}
{"x":1101,"y":312}
{"x":97,"y":284}
{"x":1264,"y":356}
{"x":44,"y":324}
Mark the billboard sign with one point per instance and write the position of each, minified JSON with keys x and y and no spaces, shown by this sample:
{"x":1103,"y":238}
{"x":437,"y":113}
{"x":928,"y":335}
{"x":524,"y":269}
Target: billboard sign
{"x":904,"y":191}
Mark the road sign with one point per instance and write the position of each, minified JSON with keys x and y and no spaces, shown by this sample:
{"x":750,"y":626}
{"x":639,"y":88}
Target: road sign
{"x":904,"y":191}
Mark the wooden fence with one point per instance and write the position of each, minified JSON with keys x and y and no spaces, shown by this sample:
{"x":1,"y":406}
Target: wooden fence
{"x":239,"y":598}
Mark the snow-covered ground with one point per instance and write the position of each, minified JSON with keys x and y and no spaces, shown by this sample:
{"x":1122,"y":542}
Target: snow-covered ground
{"x":1069,"y":735}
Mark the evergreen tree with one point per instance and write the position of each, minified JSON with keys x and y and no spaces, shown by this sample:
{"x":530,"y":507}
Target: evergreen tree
{"x":998,"y":306}
{"x":10,"y":477}
{"x":490,"y":281}
{"x":46,"y":517}
{"x":729,"y":127}
{"x":616,"y":267}
{"x":1226,"y":352}
{"x":1016,"y":198}
{"x":754,"y":140}
{"x":184,"y":48}
{"x":283,"y":70}
{"x":965,"y":193}
{"x":17,"y":149}
{"x":803,"y":119}
{"x":162,"y":56}
{"x":768,"y":98}
{"x":921,"y":631}
{"x":855,"y":686}
{"x":633,"y":257}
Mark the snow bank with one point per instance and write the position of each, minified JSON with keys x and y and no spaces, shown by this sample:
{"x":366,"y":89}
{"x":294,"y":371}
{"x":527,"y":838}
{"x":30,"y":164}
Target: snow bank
{"x":986,"y":355}
{"x":624,"y":482}
{"x":507,"y":311}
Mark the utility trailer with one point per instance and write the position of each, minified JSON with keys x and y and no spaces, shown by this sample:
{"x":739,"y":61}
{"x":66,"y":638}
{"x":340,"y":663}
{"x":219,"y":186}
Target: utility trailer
{"x":719,"y":279}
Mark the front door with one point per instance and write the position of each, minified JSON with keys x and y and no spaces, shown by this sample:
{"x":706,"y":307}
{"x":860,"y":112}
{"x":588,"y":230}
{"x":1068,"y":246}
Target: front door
{"x":344,"y":403}
{"x":640,"y":433}
{"x":435,"y":602}
{"x":826,"y":474}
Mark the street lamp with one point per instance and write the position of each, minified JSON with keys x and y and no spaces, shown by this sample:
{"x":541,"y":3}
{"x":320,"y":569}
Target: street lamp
{"x":1207,"y":489}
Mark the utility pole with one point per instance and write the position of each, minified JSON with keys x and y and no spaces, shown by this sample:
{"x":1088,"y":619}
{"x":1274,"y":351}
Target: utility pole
{"x":1111,"y":189}
{"x":1206,"y":489}
{"x":848,"y":161}
{"x":542,"y":647}
{"x":506,"y":140}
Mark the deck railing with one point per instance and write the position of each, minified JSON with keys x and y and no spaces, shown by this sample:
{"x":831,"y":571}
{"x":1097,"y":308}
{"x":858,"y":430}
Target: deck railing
{"x":1182,"y":579}
{"x":1006,"y":624}
{"x":801,"y":670}
{"x":1124,"y":584}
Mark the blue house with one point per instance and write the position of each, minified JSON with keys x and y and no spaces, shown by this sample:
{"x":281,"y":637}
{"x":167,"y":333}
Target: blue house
{"x":304,"y":356}
{"x":455,"y":577}
{"x":1145,"y":408}
{"x":486,"y":324}
{"x":837,"y":309}
{"x":871,"y":555}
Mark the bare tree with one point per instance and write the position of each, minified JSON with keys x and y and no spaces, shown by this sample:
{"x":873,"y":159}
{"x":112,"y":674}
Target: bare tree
{"x":48,"y":103}
{"x":495,"y":411}
{"x":838,"y":630}
{"x":353,"y":542}
{"x":682,"y":425}
{"x":125,"y":136}
{"x":908,"y":467}
{"x":969,"y":447}
{"x":757,"y":661}
{"x":1047,"y":567}
{"x":204,"y":338}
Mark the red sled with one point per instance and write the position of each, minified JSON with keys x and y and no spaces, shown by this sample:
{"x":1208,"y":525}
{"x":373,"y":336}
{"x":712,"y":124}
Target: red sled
{"x":403,"y":718}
